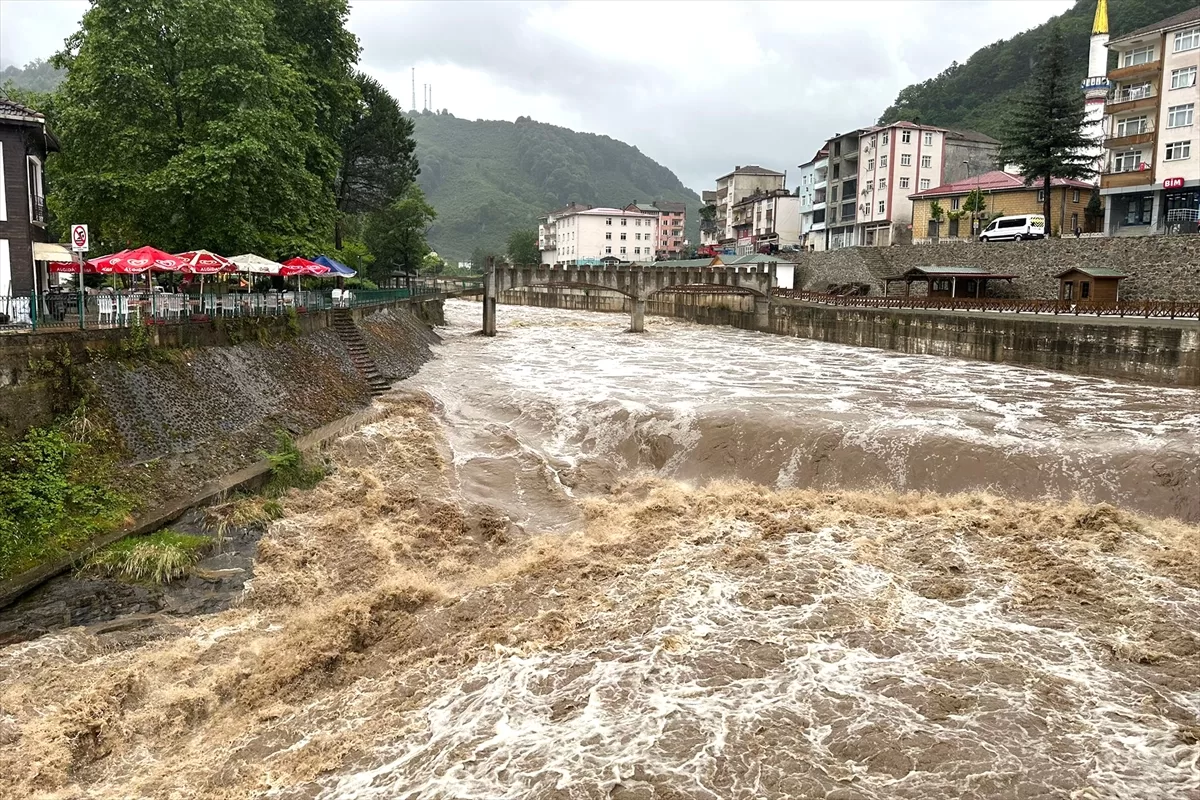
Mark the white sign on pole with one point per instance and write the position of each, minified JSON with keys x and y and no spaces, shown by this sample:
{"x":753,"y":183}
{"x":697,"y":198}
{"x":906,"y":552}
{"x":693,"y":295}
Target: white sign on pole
{"x":79,"y":238}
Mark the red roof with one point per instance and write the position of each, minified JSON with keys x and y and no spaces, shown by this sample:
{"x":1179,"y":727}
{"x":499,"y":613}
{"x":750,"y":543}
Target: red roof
{"x":995,"y":181}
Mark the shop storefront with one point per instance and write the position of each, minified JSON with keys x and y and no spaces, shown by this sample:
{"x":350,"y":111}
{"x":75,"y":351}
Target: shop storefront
{"x":1181,"y":206}
{"x":1131,"y":213}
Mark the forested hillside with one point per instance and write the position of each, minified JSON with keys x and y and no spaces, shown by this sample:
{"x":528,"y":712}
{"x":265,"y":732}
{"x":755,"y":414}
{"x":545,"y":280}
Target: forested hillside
{"x":978,"y":93}
{"x":486,"y":178}
{"x":37,"y":76}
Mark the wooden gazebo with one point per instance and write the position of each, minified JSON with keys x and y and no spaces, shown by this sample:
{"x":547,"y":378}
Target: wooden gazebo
{"x":946,"y":281}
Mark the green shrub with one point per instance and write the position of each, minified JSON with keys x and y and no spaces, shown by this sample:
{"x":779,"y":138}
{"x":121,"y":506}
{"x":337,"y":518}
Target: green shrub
{"x":57,"y":491}
{"x":158,"y":558}
{"x":289,"y":468}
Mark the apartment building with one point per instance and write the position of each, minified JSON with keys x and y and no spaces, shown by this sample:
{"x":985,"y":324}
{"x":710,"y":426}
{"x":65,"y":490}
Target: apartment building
{"x":903,"y":158}
{"x":735,"y":187}
{"x":842,"y":190}
{"x":582,"y":235}
{"x":1151,"y":178}
{"x":812,"y":191}
{"x":709,"y":232}
{"x":766,"y":219}
{"x":672,"y":219}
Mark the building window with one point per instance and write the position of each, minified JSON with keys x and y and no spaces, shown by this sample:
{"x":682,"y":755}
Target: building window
{"x":637,"y":251}
{"x":1085,"y":290}
{"x":883,"y":183}
{"x":1187,"y":40}
{"x":622,"y":251}
{"x":1075,"y":198}
{"x":37,"y":201}
{"x":881,"y":206}
{"x":883,"y":162}
{"x":924,"y":183}
{"x":1138,"y":55}
{"x":1041,"y":195}
{"x":1131,"y":126}
{"x":885,"y":138}
{"x":608,"y":251}
{"x":1181,"y":116}
{"x":623,"y":235}
{"x":905,"y":137}
{"x":1074,"y":222}
{"x":1183,"y":78}
{"x":926,"y":162}
{"x":608,"y":234}
{"x":1127,"y":161}
{"x":954,"y":203}
{"x":638,"y":236}
{"x":906,"y":159}
{"x":1177,"y":151}
{"x":608,"y":221}
{"x":624,"y":221}
{"x":904,"y":183}
{"x":928,"y":139}
{"x":870,"y":163}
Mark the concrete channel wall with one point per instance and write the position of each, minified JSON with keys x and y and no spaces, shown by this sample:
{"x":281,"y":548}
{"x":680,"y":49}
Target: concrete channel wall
{"x":1152,"y":351}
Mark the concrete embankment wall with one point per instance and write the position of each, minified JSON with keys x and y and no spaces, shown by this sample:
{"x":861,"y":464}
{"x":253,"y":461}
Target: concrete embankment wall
{"x":1161,"y":352}
{"x":208,"y":396}
{"x":1158,"y":267}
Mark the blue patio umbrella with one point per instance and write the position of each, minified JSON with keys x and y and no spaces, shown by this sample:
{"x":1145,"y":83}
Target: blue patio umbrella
{"x":335,"y":267}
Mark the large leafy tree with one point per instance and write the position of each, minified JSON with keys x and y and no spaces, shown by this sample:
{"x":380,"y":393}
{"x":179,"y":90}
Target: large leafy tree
{"x":1045,"y":135}
{"x":396,"y":233}
{"x":204,"y":123}
{"x":378,"y":153}
{"x":523,"y":247}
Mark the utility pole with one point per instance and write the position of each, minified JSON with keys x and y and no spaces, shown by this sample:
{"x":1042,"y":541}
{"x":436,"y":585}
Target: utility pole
{"x":414,"y":89}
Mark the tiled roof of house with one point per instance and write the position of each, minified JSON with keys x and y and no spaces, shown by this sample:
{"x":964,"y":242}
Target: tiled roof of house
{"x":708,"y":197}
{"x":950,"y":272}
{"x":647,"y":207}
{"x":13,"y":109}
{"x":1182,"y":18}
{"x":970,"y":136}
{"x":671,"y":207}
{"x":688,"y":262}
{"x":751,"y":169}
{"x":994,"y":181}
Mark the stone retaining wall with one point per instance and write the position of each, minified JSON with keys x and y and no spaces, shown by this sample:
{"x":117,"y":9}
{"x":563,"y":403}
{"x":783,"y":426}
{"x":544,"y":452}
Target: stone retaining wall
{"x":1159,"y":267}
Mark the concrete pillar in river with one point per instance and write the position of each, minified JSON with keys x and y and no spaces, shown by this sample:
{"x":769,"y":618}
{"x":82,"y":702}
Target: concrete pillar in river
{"x":489,"y":303}
{"x":637,"y":322}
{"x":762,"y":313}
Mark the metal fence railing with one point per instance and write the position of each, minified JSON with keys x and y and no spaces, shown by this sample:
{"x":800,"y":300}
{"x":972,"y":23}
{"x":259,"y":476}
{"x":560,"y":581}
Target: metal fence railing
{"x":105,"y":309}
{"x":1166,"y":309}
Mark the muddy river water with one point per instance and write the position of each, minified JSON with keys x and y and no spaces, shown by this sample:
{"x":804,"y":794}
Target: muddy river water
{"x":570,"y":563}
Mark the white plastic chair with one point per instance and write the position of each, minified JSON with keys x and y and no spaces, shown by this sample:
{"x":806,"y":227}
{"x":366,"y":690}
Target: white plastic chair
{"x":107,"y":309}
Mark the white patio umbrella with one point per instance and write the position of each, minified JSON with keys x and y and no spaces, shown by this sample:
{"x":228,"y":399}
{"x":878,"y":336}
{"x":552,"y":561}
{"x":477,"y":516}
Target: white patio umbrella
{"x":256,"y":264}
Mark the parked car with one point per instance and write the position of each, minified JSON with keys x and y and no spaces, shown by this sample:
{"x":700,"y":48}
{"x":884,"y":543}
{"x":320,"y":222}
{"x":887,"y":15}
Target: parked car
{"x":1015,"y":228}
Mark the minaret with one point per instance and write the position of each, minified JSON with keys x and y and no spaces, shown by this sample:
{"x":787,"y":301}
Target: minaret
{"x":1095,"y":87}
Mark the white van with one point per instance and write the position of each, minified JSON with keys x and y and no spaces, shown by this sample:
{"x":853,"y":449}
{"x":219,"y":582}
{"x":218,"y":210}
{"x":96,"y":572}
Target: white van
{"x":1025,"y":226}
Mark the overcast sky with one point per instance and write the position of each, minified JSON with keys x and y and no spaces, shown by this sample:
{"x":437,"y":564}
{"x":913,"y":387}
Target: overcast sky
{"x":697,"y":86}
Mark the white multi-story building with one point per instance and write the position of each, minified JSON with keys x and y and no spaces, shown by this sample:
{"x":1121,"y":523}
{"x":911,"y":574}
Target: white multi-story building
{"x":1151,"y":178}
{"x":766,"y":219}
{"x":580,"y":235}
{"x":894,"y":161}
{"x":737,"y":186}
{"x":812,"y":191}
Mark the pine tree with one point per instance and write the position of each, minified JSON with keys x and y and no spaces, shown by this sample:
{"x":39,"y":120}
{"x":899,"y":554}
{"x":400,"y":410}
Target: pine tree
{"x":1045,"y":135}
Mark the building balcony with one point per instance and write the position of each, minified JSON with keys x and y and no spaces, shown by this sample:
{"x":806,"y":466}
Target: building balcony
{"x":37,"y":209}
{"x":1130,"y":140}
{"x":1128,"y":101}
{"x":1121,"y":180}
{"x":850,"y":154}
{"x":1135,"y":71}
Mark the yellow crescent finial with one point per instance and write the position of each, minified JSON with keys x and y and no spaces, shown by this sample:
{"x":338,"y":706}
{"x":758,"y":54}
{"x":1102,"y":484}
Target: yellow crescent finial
{"x":1100,"y":23}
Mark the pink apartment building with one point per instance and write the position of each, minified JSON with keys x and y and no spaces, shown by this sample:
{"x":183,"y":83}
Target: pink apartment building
{"x":671,"y":219}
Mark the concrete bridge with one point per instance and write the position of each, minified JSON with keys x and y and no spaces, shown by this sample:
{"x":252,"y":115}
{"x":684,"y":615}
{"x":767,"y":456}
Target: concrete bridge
{"x":637,"y":282}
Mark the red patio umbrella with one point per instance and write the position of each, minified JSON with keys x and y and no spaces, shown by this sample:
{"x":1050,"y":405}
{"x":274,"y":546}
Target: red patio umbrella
{"x":302,"y":266}
{"x":204,"y":262}
{"x":135,"y":262}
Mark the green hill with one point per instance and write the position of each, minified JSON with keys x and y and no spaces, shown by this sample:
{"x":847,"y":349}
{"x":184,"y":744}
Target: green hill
{"x":977,"y":94}
{"x":487,"y":177}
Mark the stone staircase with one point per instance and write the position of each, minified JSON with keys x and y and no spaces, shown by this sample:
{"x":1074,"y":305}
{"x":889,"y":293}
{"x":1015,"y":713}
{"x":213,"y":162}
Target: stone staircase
{"x":360,"y":356}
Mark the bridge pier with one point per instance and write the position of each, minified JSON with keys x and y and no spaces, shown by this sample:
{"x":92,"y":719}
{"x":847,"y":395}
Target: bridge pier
{"x":762,"y":313}
{"x":637,"y":321}
{"x":489,"y":303}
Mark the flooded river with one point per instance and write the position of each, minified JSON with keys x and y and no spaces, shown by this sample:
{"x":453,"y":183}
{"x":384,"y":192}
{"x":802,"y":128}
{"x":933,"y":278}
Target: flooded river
{"x":570,"y":563}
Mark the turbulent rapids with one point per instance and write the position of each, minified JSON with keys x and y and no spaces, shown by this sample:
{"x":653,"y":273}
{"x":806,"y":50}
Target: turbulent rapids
{"x":698,"y":563}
